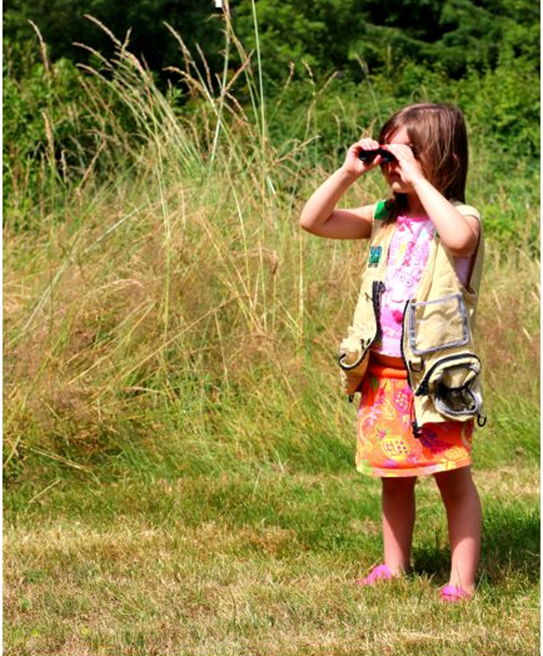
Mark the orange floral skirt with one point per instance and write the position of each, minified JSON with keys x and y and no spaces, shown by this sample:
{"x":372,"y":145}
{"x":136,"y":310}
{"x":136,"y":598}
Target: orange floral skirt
{"x":386,"y":446}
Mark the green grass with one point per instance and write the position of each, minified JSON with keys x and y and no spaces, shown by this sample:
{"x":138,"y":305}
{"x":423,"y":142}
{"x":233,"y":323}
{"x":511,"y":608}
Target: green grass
{"x":178,"y":457}
{"x":230,"y":542}
{"x":259,"y":563}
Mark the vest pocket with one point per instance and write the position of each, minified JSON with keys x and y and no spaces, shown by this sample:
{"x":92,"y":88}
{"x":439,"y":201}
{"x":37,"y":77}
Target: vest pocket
{"x":354,"y":350}
{"x":354,"y":365}
{"x":453,"y":384}
{"x":438,"y":324}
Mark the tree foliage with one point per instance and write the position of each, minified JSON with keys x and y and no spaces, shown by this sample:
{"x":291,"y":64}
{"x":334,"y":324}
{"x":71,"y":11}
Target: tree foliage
{"x":374,"y":55}
{"x":327,"y":35}
{"x":335,"y":34}
{"x":62,"y":24}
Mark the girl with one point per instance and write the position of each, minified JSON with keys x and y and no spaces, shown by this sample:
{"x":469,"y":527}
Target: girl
{"x":410,"y":351}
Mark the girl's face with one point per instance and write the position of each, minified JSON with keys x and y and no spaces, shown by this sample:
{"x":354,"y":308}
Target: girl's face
{"x":391,"y":170}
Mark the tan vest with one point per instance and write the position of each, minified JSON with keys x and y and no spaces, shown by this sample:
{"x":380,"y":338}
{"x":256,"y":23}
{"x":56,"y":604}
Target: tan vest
{"x":437,"y":342}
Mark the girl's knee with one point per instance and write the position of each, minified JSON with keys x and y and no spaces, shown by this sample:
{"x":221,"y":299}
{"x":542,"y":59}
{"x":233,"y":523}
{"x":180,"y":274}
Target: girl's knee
{"x":456,"y":483}
{"x":403,"y":486}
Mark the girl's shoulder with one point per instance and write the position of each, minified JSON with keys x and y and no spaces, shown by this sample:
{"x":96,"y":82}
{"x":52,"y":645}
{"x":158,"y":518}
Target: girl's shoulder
{"x":466,"y":210}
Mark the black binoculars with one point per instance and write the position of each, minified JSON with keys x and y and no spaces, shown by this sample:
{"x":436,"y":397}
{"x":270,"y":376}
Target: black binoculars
{"x":367,"y":156}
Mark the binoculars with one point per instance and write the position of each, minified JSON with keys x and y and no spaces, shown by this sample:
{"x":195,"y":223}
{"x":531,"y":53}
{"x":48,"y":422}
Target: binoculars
{"x":367,"y":156}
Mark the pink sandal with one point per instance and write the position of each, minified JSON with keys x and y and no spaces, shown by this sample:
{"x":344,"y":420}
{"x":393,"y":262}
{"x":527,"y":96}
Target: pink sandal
{"x":453,"y":594}
{"x":379,"y":573}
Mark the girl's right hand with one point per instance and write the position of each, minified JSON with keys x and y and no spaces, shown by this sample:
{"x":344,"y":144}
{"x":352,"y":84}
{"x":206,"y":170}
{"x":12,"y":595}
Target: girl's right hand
{"x":353,"y":165}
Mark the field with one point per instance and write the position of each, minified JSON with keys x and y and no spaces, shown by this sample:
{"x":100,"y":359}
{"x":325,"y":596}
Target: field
{"x":178,"y":456}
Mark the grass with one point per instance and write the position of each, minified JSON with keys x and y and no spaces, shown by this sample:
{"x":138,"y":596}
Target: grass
{"x":260,"y":565}
{"x":178,"y":458}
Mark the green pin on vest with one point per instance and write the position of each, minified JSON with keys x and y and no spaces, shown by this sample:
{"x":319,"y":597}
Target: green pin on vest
{"x":375,"y":255}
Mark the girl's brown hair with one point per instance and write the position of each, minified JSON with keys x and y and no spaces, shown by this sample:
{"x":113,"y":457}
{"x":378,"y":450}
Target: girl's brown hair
{"x":438,"y":135}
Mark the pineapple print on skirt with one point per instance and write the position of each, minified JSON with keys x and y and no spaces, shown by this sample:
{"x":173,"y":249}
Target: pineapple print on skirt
{"x":386,"y":446}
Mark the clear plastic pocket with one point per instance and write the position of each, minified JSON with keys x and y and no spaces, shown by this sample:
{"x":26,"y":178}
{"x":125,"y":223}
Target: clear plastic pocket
{"x":445,"y":323}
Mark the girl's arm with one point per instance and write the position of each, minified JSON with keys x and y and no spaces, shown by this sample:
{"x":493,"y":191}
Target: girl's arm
{"x":457,"y":232}
{"x":320,"y":216}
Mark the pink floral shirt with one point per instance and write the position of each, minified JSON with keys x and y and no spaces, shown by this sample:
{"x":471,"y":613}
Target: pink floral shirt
{"x":407,"y":256}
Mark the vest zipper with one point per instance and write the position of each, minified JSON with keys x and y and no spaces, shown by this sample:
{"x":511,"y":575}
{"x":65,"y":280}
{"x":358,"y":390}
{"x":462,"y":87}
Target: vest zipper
{"x":401,"y":344}
{"x":378,"y":289}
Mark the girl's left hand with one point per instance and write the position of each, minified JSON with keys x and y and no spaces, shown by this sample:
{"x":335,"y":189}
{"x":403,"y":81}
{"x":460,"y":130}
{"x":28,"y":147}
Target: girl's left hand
{"x":409,"y":167}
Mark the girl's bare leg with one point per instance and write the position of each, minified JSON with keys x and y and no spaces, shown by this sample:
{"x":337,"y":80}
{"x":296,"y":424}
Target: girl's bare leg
{"x":398,"y":521}
{"x":463,"y":507}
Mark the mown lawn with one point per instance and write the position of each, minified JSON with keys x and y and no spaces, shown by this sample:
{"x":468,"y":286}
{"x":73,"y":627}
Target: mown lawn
{"x":258,"y":561}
